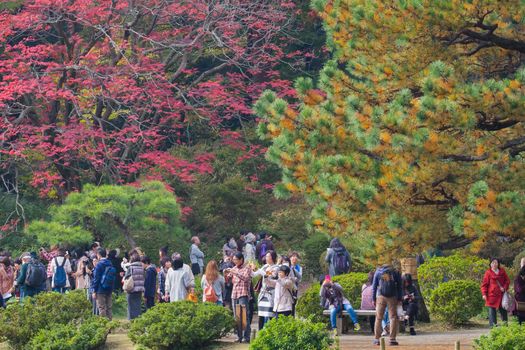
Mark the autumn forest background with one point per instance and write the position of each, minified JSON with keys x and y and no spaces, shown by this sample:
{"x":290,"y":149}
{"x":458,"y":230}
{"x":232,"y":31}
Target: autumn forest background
{"x":395,"y":125}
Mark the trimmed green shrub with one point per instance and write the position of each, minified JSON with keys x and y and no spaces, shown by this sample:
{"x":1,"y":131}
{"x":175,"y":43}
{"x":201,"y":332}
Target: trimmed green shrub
{"x":20,"y":323}
{"x":456,"y":302}
{"x":89,"y":335}
{"x":455,"y":267}
{"x":181,"y":325}
{"x":289,"y":333}
{"x":119,"y":306}
{"x":502,"y":338}
{"x":308,"y":305}
{"x":352,"y":283}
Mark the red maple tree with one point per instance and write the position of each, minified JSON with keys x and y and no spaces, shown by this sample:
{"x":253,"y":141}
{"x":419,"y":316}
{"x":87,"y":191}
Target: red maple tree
{"x":100,"y":91}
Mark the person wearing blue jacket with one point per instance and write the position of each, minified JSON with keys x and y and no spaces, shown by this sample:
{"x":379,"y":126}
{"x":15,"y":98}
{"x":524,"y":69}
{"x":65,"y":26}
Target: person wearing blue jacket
{"x":150,"y":282}
{"x":100,"y":294}
{"x":387,"y":291}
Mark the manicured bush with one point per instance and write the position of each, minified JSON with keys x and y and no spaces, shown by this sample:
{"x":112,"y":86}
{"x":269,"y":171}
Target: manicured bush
{"x":502,"y":338}
{"x":289,"y":333}
{"x":19,"y":323}
{"x":89,"y":335}
{"x":455,"y":267}
{"x":352,"y":283}
{"x":119,"y":307}
{"x":181,"y":325}
{"x":308,"y":305}
{"x":456,"y":302}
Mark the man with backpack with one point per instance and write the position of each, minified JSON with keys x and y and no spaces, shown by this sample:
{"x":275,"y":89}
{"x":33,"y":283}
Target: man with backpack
{"x":103,"y":283}
{"x":264,"y":246}
{"x":61,"y":269}
{"x":338,"y":258}
{"x":387,"y":291}
{"x":32,"y":277}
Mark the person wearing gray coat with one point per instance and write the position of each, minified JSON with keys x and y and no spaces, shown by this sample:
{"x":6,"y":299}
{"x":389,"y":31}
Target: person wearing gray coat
{"x":134,"y":297}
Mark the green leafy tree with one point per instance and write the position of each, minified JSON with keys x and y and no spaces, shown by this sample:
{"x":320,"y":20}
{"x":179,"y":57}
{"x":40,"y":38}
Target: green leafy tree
{"x":119,"y":216}
{"x":413,"y":133}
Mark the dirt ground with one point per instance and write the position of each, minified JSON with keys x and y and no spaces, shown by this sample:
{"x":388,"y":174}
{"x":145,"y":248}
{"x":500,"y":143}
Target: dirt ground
{"x":422,"y":341}
{"x":425,"y":340}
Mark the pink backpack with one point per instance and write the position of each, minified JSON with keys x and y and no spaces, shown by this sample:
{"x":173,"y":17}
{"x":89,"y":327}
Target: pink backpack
{"x":367,"y":298}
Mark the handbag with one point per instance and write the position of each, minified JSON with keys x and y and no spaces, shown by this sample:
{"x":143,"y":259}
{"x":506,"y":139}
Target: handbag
{"x":520,"y":306}
{"x":128,"y":284}
{"x":506,"y":301}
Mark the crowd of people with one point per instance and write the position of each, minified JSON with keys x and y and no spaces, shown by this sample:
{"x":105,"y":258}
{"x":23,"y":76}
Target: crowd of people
{"x":101,"y":273}
{"x":229,"y":282}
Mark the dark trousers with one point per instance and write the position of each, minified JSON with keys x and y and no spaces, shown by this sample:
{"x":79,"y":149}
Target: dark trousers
{"x":284,"y":313}
{"x":412,"y":313}
{"x":150,"y":302}
{"x":521,"y":319}
{"x":372,"y":320}
{"x":493,"y":320}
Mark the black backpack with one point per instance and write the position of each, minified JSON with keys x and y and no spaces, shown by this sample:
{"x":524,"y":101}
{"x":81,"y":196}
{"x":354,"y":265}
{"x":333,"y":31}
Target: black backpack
{"x":341,"y":262}
{"x":387,"y":283}
{"x":36,"y":274}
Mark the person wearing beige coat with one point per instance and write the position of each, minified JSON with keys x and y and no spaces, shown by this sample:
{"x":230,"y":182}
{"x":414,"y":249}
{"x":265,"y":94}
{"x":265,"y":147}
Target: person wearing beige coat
{"x":283,"y":294}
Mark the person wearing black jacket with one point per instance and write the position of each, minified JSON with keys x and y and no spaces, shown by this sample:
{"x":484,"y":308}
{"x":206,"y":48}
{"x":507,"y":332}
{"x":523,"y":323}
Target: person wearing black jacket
{"x":150,"y":282}
{"x":116,"y":262}
{"x":410,"y":301}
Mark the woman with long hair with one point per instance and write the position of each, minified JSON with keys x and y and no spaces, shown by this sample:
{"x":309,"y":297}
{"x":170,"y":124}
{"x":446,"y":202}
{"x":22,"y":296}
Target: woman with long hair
{"x":213,"y":285}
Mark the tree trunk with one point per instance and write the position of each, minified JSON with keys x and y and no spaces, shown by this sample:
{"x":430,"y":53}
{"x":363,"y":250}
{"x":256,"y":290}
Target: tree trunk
{"x":423,"y":314}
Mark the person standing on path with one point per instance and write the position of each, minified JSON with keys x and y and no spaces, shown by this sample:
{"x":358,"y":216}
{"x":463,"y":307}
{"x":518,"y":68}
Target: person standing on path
{"x":101,"y":294}
{"x":519,"y":294}
{"x":196,"y":256}
{"x":179,"y":281}
{"x":60,"y":270}
{"x":495,"y":283}
{"x":241,"y":275}
{"x":338,"y":258}
{"x":387,"y":291}
{"x":134,"y":296}
{"x":150,"y":282}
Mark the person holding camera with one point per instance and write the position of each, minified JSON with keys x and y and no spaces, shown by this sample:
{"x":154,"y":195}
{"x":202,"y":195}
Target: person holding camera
{"x":410,"y":301}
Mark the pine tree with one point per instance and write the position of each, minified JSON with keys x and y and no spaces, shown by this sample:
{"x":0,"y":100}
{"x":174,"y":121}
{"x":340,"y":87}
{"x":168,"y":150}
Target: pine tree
{"x":413,"y":134}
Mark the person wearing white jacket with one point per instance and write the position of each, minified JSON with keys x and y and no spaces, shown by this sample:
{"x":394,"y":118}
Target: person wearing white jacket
{"x":60,"y":261}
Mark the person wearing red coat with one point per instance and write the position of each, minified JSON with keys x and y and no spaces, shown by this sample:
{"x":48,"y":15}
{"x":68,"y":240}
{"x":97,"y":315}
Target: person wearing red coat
{"x":495,"y":283}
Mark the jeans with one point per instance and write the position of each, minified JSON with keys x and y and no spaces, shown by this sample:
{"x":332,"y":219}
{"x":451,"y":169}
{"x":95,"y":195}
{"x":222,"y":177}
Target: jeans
{"x":335,"y":310}
{"x":381,"y":304}
{"x":385,"y":321}
{"x":243,"y":301}
{"x":60,"y":290}
{"x":493,"y":320}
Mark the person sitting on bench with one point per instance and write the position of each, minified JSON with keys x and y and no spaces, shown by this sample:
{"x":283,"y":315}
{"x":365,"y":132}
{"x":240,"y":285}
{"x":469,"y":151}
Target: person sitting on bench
{"x":332,"y":298}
